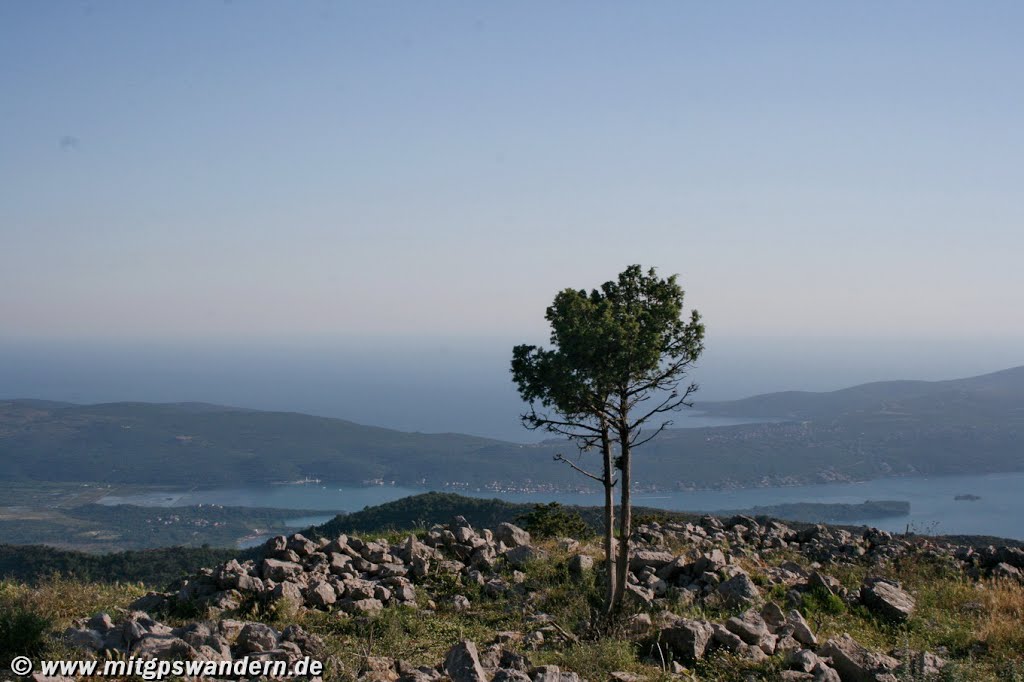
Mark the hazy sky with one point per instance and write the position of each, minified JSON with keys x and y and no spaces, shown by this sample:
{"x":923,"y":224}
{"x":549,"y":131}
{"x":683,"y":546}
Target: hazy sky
{"x":250,"y":170}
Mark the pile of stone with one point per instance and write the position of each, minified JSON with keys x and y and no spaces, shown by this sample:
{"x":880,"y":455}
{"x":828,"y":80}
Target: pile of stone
{"x":826,"y":544}
{"x":346,"y":574}
{"x":140,"y":636}
{"x":356,"y":576}
{"x":464,"y":662}
{"x":755,"y":635}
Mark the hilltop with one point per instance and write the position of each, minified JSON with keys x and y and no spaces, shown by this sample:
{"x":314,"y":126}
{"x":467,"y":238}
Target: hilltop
{"x":972,"y":425}
{"x":711,"y":599}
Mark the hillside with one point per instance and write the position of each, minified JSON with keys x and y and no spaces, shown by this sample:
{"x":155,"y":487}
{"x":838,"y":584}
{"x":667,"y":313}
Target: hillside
{"x":973,"y":425}
{"x":715,"y":600}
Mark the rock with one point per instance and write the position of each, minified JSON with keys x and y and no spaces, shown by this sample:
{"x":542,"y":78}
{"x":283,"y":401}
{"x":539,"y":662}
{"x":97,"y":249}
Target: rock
{"x":150,"y":602}
{"x":687,"y":639}
{"x":100,"y":622}
{"x":257,"y":637}
{"x":640,"y":595}
{"x":751,"y":628}
{"x":580,"y":564}
{"x":854,"y":663}
{"x":512,"y":536}
{"x":773,"y":615}
{"x":739,"y":591}
{"x":568,"y":544}
{"x":279,"y":571}
{"x":320,"y":595}
{"x":460,"y":603}
{"x":801,"y":630}
{"x":1004,"y":571}
{"x":164,"y":648}
{"x":378,"y":669}
{"x":286,"y":592}
{"x":506,"y":675}
{"x":643,"y":558}
{"x":922,"y":665}
{"x":83,"y":638}
{"x":361,"y":606}
{"x":462,"y":663}
{"x":639,"y":624}
{"x":625,"y":677}
{"x":523,"y":555}
{"x":803,"y":660}
{"x":712,"y":562}
{"x":887,"y":601}
{"x":825,"y":584}
{"x":725,"y":639}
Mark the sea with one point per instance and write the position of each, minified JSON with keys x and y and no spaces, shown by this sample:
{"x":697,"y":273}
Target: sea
{"x":934,"y":509}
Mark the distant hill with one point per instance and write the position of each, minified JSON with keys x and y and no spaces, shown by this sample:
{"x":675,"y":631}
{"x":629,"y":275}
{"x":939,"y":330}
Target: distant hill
{"x":973,"y":425}
{"x":189,"y":443}
{"x":990,"y":395}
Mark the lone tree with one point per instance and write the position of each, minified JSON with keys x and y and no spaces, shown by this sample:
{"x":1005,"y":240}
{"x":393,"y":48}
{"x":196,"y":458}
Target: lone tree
{"x":617,"y":363}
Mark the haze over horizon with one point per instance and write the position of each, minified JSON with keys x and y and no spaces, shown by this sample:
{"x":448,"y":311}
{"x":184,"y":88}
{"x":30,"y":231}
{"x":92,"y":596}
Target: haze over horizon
{"x":356,"y":210}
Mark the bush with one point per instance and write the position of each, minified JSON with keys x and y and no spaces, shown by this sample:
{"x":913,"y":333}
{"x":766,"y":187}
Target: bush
{"x":22,"y":633}
{"x":821,"y":601}
{"x":554,"y":521}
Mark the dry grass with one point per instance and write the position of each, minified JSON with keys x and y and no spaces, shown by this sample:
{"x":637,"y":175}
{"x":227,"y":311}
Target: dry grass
{"x":63,"y":600}
{"x":1002,"y":627}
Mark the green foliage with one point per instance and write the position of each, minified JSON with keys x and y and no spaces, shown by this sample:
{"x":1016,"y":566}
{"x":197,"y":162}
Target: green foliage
{"x":821,"y":601}
{"x":154,"y":567}
{"x":22,"y":633}
{"x":552,"y":520}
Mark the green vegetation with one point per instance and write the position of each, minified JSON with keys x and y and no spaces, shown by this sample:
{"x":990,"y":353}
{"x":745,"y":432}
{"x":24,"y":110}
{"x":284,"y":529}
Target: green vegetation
{"x":964,"y":426}
{"x":32,"y":564}
{"x":554,"y":521}
{"x":97,"y":527}
{"x":612,"y":350}
{"x":977,"y":623}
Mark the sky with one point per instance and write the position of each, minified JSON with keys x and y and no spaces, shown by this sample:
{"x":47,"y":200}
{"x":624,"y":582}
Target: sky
{"x":837,"y":184}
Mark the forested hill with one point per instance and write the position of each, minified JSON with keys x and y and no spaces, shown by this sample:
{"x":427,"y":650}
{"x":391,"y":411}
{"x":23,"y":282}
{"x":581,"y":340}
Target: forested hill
{"x":971,"y":425}
{"x":995,"y":395}
{"x":189,"y":443}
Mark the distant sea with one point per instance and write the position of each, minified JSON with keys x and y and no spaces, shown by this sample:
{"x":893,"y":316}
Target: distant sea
{"x":933,"y":509}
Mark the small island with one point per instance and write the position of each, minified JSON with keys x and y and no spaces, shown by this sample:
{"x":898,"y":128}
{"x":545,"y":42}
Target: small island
{"x":967,"y":498}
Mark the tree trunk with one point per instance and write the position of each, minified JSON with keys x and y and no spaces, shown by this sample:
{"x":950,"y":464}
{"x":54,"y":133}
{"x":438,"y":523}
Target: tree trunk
{"x":625,"y":517}
{"x":611,"y":591}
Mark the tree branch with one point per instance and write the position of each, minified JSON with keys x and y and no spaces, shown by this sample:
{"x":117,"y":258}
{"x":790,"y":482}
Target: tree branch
{"x":559,"y":457}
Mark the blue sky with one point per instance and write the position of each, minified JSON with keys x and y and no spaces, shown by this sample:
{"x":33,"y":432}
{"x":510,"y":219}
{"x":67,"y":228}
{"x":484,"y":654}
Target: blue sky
{"x":200,"y":171}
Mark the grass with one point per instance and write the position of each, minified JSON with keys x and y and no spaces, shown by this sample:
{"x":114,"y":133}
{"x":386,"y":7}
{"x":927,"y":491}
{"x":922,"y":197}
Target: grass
{"x":976,"y":625}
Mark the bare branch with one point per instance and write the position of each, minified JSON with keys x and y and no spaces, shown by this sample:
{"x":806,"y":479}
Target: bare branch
{"x":635,"y":443}
{"x":559,"y":457}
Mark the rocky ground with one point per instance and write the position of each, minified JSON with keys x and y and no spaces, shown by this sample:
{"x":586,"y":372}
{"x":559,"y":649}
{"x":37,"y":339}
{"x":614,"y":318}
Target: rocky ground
{"x":716,"y":600}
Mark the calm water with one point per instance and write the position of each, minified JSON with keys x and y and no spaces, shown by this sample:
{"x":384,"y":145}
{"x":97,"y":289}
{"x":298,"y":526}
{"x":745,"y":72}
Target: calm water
{"x":999,"y":512}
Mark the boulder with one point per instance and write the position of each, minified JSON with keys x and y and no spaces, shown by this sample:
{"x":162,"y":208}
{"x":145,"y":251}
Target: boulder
{"x":801,"y":630}
{"x":580,"y":564}
{"x":887,"y":601}
{"x":854,"y":663}
{"x":523,"y":555}
{"x":462,"y":663}
{"x":164,"y":648}
{"x":752,"y":629}
{"x":739,"y":591}
{"x":512,"y":536}
{"x":280,"y":571}
{"x":257,"y":637}
{"x":687,"y":639}
{"x":643,"y":558}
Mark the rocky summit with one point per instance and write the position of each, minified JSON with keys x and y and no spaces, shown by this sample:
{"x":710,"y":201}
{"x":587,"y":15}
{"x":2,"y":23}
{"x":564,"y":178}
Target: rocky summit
{"x":717,"y":599}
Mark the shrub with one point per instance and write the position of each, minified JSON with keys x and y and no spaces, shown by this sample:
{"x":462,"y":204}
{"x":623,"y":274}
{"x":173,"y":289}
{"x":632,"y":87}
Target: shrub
{"x":554,"y":521}
{"x":22,"y":633}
